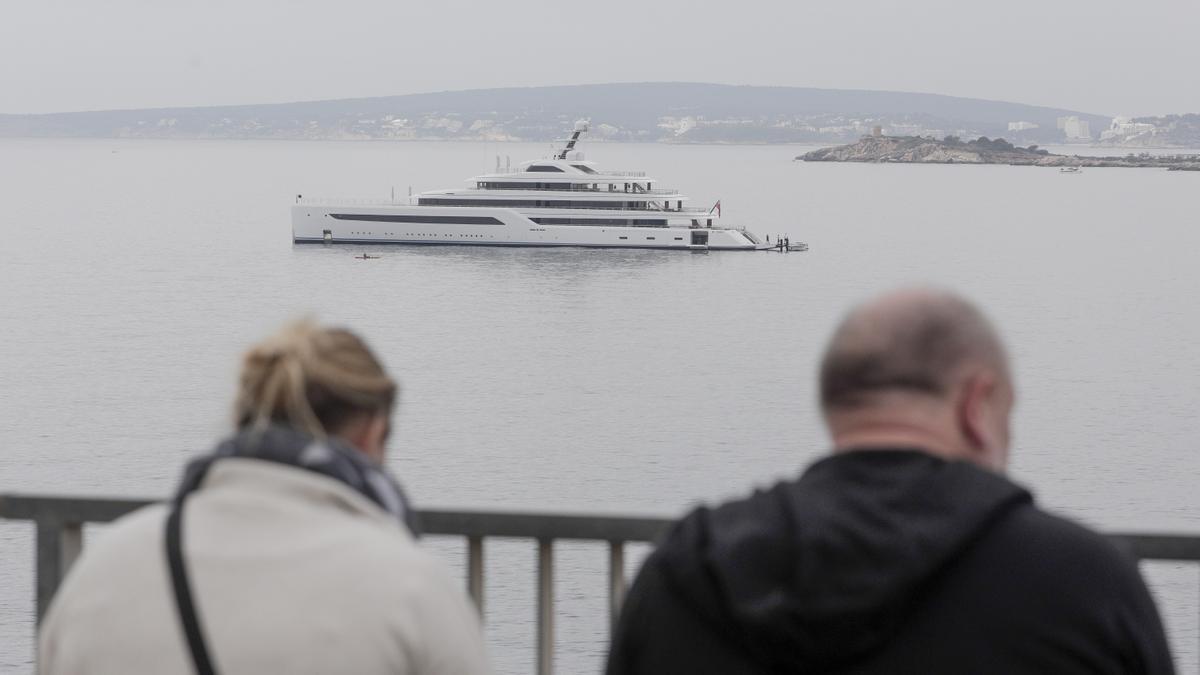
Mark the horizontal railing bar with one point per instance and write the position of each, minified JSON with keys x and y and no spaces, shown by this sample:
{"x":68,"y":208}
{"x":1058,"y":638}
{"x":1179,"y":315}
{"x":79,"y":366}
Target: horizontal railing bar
{"x":596,"y":527}
{"x":599,"y":175}
{"x":583,"y":210}
{"x":67,"y":509}
{"x":543,"y":526}
{"x":435,"y":521}
{"x":1147,"y":546}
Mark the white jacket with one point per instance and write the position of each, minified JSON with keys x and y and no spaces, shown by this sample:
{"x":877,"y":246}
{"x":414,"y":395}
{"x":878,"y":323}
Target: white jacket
{"x":291,"y":571}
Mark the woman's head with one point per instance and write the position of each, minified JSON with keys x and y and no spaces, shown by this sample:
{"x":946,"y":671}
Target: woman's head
{"x":323,"y":381}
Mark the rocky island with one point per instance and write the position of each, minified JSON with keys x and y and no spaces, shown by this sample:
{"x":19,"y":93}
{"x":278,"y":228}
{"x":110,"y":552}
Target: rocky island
{"x":951,"y":150}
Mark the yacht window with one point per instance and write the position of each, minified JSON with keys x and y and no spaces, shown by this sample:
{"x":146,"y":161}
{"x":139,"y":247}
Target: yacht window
{"x":545,"y":168}
{"x":535,"y":203}
{"x":425,"y":220}
{"x":584,"y":168}
{"x":635,"y":222}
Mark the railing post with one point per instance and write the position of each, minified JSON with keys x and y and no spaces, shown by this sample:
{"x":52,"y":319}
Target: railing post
{"x":58,"y":545}
{"x":545,"y":608}
{"x":475,"y":571}
{"x":616,"y":579}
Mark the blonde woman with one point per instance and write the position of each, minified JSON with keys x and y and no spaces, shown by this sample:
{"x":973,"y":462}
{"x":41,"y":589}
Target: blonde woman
{"x":288,"y":549}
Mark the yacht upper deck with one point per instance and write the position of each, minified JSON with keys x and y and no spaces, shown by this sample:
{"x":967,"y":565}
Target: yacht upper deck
{"x":563,"y":169}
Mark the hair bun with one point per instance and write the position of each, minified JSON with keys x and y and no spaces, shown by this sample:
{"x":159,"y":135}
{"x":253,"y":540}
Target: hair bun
{"x":311,"y":378}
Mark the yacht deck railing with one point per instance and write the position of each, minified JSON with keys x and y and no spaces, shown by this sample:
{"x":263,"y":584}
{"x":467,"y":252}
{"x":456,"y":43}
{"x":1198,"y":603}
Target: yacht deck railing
{"x":582,"y":187}
{"x":622,"y":174}
{"x":599,"y":175}
{"x":580,"y":210}
{"x":598,"y":206}
{"x":353,"y":201}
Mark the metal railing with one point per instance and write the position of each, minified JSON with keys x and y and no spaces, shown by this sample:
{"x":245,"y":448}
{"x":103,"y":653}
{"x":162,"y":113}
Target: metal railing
{"x":59,"y":525}
{"x":510,"y":170}
{"x":583,"y":187}
{"x":59,"y":530}
{"x":399,"y":200}
{"x":429,"y":200}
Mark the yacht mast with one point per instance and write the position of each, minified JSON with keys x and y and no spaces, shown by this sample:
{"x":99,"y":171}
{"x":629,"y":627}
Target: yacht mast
{"x":580,"y":127}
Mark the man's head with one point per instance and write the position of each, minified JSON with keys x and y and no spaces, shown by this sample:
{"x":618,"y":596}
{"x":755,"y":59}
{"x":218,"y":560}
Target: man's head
{"x":919,"y":368}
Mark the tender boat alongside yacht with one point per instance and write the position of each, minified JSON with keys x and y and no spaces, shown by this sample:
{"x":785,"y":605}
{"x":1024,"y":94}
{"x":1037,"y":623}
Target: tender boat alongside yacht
{"x":561,"y":201}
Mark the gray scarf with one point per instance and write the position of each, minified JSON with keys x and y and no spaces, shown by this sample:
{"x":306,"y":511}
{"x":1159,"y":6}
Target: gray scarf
{"x":328,"y":457}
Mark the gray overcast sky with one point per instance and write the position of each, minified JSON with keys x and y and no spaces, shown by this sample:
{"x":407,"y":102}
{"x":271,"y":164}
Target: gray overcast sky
{"x":1097,"y":56}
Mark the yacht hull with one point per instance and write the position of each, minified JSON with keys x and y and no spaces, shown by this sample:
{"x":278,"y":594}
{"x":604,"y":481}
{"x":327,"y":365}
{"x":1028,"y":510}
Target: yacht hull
{"x":482,"y":226}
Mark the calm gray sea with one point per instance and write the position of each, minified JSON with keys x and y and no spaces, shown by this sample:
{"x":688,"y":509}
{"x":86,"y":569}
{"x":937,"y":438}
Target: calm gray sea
{"x":133,"y":274}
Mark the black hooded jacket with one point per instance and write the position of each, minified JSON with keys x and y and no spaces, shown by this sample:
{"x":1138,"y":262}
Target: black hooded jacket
{"x":887,"y":561}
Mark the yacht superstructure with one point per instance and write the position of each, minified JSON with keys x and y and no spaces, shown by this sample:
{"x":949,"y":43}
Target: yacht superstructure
{"x":561,"y":201}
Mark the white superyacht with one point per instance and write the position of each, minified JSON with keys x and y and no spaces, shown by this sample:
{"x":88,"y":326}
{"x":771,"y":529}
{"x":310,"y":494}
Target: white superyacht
{"x":561,"y":201}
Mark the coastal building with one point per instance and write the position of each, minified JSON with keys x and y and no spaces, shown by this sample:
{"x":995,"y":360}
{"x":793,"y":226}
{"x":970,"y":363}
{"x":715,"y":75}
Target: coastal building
{"x":1021,"y":126}
{"x":1074,"y":128}
{"x":1124,"y":127}
{"x":678,"y":126}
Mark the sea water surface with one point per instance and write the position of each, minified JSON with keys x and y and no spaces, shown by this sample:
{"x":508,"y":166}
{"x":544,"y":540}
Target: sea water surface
{"x":134,"y":273}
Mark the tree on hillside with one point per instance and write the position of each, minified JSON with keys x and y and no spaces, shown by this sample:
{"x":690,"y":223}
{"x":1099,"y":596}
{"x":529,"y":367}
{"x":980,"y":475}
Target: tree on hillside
{"x":985,"y":143}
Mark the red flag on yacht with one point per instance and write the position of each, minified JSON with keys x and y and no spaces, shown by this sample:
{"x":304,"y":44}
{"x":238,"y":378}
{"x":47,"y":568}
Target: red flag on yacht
{"x":716,"y":207}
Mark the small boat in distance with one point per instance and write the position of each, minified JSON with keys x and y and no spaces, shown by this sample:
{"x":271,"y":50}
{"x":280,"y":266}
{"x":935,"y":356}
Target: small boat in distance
{"x":564,"y":200}
{"x":366,"y":257}
{"x":1071,"y":169}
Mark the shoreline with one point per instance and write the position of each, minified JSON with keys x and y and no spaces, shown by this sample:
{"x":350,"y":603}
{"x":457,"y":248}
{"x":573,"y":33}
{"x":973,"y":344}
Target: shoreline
{"x":922,"y":150}
{"x":1159,"y":150}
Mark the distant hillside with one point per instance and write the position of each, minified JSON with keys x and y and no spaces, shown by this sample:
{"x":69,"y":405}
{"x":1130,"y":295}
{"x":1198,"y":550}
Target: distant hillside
{"x":672,"y":112}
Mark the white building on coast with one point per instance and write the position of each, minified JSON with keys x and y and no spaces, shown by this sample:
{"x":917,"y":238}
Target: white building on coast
{"x":1075,"y":128}
{"x":1123,"y":128}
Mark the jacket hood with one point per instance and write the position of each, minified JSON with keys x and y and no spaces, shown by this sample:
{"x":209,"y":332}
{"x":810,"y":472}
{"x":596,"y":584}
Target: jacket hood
{"x":821,"y":570}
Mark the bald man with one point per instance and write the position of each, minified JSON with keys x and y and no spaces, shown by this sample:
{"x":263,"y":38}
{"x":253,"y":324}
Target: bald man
{"x":906,"y":550}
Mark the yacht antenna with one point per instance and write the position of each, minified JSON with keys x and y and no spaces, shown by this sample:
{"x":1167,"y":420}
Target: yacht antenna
{"x":580,"y":127}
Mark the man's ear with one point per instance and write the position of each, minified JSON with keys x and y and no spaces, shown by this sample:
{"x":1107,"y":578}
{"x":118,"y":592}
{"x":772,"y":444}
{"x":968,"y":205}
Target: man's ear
{"x":974,"y":401}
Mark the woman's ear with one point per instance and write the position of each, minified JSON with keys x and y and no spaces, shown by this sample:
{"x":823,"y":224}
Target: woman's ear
{"x":376,"y":435}
{"x":369,"y":434}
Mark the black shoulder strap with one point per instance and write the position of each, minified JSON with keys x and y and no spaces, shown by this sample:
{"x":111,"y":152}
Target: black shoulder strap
{"x":183,"y":593}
